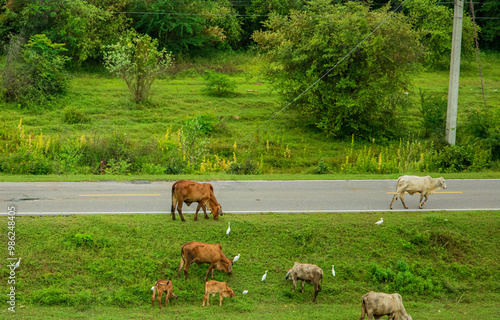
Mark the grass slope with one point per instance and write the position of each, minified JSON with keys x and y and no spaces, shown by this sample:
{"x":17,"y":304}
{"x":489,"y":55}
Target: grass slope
{"x":103,"y":266}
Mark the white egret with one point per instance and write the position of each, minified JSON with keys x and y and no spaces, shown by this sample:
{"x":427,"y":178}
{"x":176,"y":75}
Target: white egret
{"x":264,"y":276}
{"x":17,"y":264}
{"x":245,"y":291}
{"x":228,"y":228}
{"x":152,"y":288}
{"x":380,"y":221}
{"x":236,"y":258}
{"x":333,"y":271}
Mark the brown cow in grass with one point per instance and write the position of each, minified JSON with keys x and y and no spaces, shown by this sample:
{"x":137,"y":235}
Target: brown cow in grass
{"x":186,"y":191}
{"x":199,"y":253}
{"x":160,"y":287}
{"x":378,"y":304}
{"x":213,"y":287}
{"x":309,"y":273}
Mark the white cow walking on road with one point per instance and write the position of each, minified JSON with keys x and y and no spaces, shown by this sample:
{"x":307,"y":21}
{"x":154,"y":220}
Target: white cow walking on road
{"x":414,"y":184}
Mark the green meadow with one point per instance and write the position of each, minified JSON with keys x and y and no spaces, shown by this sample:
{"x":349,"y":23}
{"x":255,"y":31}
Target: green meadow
{"x":444,"y":264}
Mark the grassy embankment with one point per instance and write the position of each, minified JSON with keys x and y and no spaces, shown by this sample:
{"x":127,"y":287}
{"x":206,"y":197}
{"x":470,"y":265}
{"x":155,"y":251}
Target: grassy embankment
{"x":445,"y":265}
{"x":286,"y":145}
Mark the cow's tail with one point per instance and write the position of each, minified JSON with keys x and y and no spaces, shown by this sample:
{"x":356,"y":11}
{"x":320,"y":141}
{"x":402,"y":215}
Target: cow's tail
{"x":182,"y":263}
{"x":321,"y":281}
{"x":174,"y":199}
{"x":155,"y":289}
{"x":397,"y":187}
{"x":363,"y":309}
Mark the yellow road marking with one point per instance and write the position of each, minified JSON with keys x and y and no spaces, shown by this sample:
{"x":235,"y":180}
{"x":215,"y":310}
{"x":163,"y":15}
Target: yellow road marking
{"x":120,"y":195}
{"x":434,"y":192}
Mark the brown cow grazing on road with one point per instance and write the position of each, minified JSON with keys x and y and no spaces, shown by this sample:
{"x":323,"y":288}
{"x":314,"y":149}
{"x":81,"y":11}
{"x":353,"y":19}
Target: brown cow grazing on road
{"x":186,"y":191}
{"x":213,"y":287}
{"x":308,"y":273}
{"x":414,"y":184}
{"x":160,"y":287}
{"x":378,"y":304}
{"x":200,"y":252}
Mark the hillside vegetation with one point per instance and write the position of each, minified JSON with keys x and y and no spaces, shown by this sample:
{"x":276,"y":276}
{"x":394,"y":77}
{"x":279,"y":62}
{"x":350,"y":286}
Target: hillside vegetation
{"x":444,"y":264}
{"x":185,"y":129}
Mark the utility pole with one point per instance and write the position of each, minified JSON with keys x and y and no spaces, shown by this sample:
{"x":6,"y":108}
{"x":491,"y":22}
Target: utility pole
{"x":456,"y":44}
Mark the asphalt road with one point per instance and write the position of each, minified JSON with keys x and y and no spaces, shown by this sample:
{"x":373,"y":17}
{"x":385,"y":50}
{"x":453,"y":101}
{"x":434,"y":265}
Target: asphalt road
{"x":36,"y":198}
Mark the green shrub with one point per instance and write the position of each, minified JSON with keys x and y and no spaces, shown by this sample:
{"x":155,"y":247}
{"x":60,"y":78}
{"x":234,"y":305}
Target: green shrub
{"x":35,"y":72}
{"x":71,"y":115}
{"x":433,"y":115}
{"x":247,"y":167}
{"x":218,"y":83}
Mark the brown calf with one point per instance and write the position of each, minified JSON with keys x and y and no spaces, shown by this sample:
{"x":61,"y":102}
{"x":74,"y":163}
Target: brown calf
{"x":213,"y":287}
{"x":160,"y":287}
{"x":199,"y":253}
{"x":186,"y":191}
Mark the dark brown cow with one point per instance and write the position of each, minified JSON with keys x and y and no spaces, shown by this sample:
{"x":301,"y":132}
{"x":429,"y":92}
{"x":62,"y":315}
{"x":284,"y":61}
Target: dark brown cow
{"x":213,"y":287}
{"x":199,"y":253}
{"x":160,"y":287}
{"x":186,"y":191}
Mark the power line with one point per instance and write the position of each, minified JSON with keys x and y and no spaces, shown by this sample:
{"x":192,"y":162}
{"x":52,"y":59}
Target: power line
{"x":325,"y":74}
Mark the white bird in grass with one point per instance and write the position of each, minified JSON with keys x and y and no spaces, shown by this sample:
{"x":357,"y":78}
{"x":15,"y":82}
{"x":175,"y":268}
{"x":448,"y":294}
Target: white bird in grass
{"x":264,"y":276}
{"x":228,"y":228}
{"x":380,"y":221}
{"x":236,"y":258}
{"x":17,"y":264}
{"x":245,"y":291}
{"x":333,"y":271}
{"x":152,"y":288}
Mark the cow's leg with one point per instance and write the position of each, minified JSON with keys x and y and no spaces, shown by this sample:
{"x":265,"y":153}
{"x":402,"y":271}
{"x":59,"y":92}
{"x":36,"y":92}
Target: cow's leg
{"x":425,"y":196}
{"x":294,"y":284}
{"x":316,"y":290}
{"x":420,"y":201}
{"x":402,"y":197}
{"x":393,"y":198}
{"x":179,"y":209}
{"x":210,"y":268}
{"x":220,"y":295}
{"x":159,"y":298}
{"x":302,"y":283}
{"x":206,"y":299}
{"x":205,"y":211}
{"x":153,"y":298}
{"x":167,"y":296}
{"x":196,"y":213}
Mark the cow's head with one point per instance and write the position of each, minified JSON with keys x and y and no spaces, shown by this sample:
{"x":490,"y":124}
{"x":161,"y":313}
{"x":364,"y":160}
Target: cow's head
{"x":443,"y":183}
{"x":216,"y":209}
{"x":228,"y":293}
{"x":406,"y":317}
{"x":226,"y":266}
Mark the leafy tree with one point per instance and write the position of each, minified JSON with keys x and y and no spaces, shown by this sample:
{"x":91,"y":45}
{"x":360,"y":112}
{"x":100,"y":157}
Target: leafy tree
{"x":434,"y":24}
{"x":35,"y":71}
{"x":136,"y":59}
{"x":181,"y":25}
{"x":83,"y":26}
{"x":354,"y":98}
{"x":490,"y":27}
